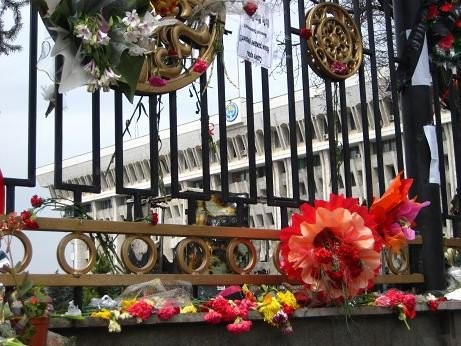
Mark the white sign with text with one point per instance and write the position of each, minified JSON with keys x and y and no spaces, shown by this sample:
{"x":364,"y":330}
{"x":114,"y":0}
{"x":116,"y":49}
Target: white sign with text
{"x":255,"y":36}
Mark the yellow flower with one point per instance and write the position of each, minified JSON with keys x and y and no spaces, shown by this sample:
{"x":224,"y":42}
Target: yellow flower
{"x":269,"y":307}
{"x":189,"y":309}
{"x":105,"y":314}
{"x":287,"y":298}
{"x":126,"y":304}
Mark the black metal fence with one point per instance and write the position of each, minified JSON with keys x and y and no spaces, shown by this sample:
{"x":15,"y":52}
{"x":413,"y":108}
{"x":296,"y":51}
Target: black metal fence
{"x":336,"y":105}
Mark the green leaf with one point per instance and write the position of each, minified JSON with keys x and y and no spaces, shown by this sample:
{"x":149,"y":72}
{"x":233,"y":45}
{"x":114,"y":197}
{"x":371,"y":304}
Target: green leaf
{"x":129,"y":68}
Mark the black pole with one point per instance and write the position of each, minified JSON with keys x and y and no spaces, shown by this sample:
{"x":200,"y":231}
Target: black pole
{"x":417,"y":111}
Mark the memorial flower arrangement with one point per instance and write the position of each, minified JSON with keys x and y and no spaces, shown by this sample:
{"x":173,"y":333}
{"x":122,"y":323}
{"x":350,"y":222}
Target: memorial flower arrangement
{"x":444,"y":24}
{"x":334,"y":247}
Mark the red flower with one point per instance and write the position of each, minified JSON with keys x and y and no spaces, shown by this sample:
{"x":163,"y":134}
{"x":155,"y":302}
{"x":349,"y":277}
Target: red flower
{"x":157,"y":81}
{"x":323,"y":255}
{"x":432,"y":12}
{"x":167,"y":312}
{"x":154,"y":219}
{"x":29,"y":220}
{"x":305,"y":33}
{"x":212,"y":317}
{"x":433,"y":304}
{"x":288,"y":309}
{"x":446,"y":42}
{"x":141,"y":309}
{"x":250,"y":7}
{"x":36,"y":201}
{"x":458,"y":23}
{"x":172,"y":53}
{"x":446,"y":7}
{"x":339,"y":67}
{"x":33,"y":300}
{"x":239,"y":327}
{"x":200,"y":65}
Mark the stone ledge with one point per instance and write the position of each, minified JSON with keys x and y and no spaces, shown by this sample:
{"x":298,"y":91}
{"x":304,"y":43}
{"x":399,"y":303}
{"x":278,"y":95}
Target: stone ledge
{"x":59,"y":323}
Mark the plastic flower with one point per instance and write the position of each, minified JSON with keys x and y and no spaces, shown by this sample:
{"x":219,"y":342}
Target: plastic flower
{"x":331,"y":247}
{"x":239,"y":326}
{"x":395,"y":213}
{"x":200,"y":65}
{"x":36,"y":201}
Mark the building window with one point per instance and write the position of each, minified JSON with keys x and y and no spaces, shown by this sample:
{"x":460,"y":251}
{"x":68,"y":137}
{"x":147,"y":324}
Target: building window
{"x":270,"y":218}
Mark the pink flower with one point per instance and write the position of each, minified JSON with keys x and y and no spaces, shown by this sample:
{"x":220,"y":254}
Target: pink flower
{"x":200,"y":65}
{"x":157,"y":81}
{"x":36,"y":201}
{"x":212,"y":317}
{"x":167,"y":312}
{"x":239,"y":327}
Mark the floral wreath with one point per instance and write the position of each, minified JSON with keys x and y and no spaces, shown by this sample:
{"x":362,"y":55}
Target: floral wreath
{"x":444,"y":24}
{"x":138,"y":46}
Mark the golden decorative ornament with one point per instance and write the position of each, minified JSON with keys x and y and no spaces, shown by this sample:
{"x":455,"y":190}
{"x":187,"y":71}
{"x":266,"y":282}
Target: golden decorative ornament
{"x":61,"y":253}
{"x":230,"y":255}
{"x":26,"y":244}
{"x":335,"y":49}
{"x":196,"y":37}
{"x":398,"y":262}
{"x":187,"y":259}
{"x":151,"y":250}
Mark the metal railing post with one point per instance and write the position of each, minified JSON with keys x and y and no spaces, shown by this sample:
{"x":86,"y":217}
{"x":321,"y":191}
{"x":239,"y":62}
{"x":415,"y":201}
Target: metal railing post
{"x":417,"y":111}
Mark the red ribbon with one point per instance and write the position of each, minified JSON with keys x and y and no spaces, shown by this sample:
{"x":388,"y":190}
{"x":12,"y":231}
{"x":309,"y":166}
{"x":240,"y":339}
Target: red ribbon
{"x":2,"y":194}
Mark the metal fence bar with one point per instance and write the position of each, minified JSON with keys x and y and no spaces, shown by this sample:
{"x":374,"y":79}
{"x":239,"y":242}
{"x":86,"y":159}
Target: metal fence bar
{"x":346,"y":153}
{"x":206,"y":135}
{"x":222,"y":127}
{"x":332,"y":145}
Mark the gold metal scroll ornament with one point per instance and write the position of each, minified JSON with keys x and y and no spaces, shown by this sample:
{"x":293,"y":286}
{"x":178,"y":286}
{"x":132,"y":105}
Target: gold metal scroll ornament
{"x":335,"y":49}
{"x":196,"y":35}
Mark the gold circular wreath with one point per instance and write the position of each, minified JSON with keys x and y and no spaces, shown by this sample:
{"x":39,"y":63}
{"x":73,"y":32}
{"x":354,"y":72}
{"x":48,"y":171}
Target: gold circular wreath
{"x":232,"y":263}
{"x":26,"y":244}
{"x":61,"y":253}
{"x":197,"y":30}
{"x":183,"y":257}
{"x":152,"y":251}
{"x":335,"y":49}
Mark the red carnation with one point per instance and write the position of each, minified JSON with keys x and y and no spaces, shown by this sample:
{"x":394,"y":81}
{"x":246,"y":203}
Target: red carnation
{"x":446,"y":7}
{"x":305,"y":33}
{"x":36,"y":201}
{"x":323,"y":255}
{"x":212,"y":317}
{"x":432,"y":12}
{"x":154,"y":219}
{"x":250,"y":7}
{"x":446,"y":42}
{"x":167,"y":312}
{"x":141,"y":309}
{"x":200,"y":65}
{"x":239,"y":327}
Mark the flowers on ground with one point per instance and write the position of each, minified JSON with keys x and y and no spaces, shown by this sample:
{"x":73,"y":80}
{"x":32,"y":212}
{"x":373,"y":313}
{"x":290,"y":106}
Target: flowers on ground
{"x":404,"y":303}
